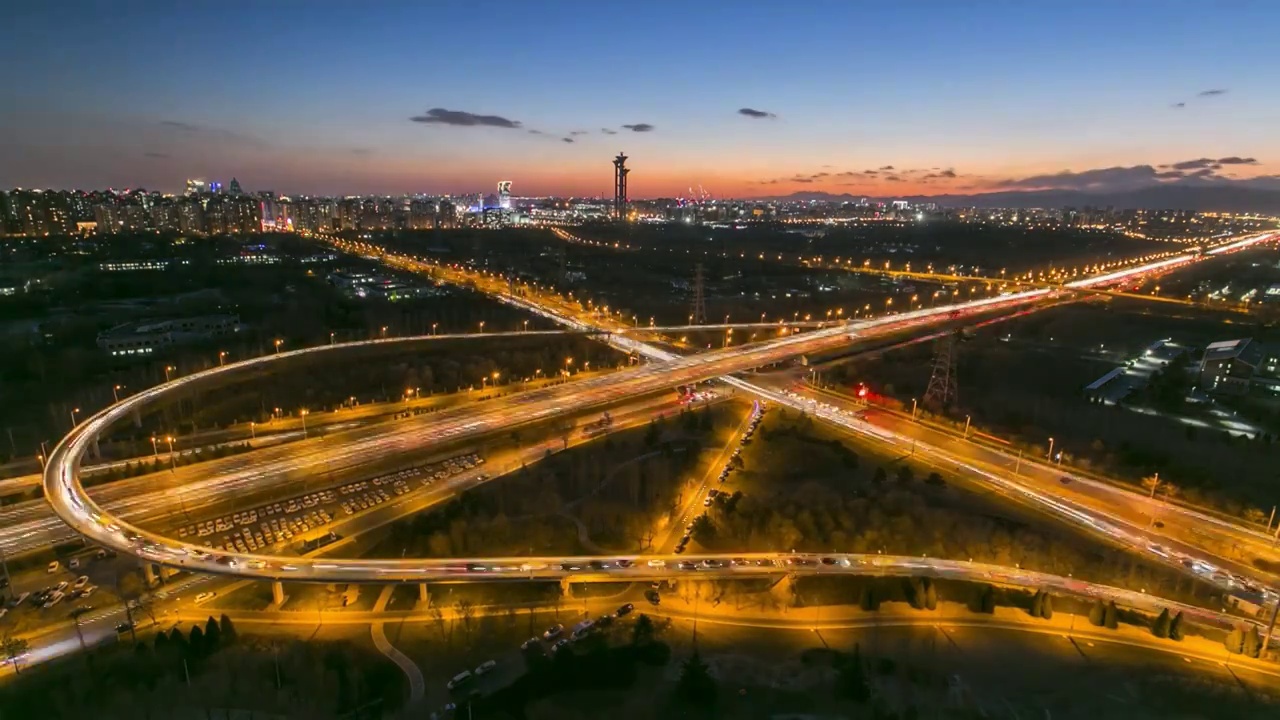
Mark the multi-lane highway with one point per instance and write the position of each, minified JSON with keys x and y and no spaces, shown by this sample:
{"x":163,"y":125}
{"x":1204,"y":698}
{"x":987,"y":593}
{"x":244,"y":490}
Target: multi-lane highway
{"x":72,"y":504}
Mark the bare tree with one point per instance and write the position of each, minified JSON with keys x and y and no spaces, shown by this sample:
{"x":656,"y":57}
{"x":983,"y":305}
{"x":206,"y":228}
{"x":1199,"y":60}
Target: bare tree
{"x":466,"y":612}
{"x":437,"y":615}
{"x":14,"y":648}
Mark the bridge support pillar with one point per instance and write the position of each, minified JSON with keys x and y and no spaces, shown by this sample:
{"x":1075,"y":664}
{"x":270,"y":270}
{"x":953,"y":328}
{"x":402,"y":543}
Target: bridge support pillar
{"x":277,"y":593}
{"x":149,"y":574}
{"x":167,"y":572}
{"x":566,"y":588}
{"x":424,"y":597}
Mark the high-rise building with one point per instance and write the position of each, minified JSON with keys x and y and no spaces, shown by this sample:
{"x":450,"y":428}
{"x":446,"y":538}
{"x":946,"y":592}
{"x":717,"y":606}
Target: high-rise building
{"x":620,"y":172}
{"x":191,"y":217}
{"x":196,"y":187}
{"x":234,"y":187}
{"x":504,"y":194}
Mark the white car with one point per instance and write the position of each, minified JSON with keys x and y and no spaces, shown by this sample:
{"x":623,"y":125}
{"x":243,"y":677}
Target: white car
{"x":485,"y":667}
{"x":657,"y":563}
{"x":81,"y":581}
{"x":205,"y":597}
{"x":459,"y":679}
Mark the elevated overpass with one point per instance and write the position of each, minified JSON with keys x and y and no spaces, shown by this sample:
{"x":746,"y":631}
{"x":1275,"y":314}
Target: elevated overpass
{"x":73,"y":505}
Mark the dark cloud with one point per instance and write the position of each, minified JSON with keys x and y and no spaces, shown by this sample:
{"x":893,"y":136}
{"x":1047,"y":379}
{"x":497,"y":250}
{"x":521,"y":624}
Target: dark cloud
{"x":1193,"y":164}
{"x":1170,"y":174}
{"x":801,"y":180}
{"x":1096,"y":179}
{"x":1234,"y":160}
{"x":1203,"y":173}
{"x":892,"y":178}
{"x":639,"y":127}
{"x":1178,"y":105}
{"x":886,"y":167}
{"x":566,"y":139}
{"x":870,"y":172}
{"x":1212,"y":93}
{"x":536,"y":132}
{"x":200,"y":131}
{"x":576,"y":133}
{"x":756,"y":114}
{"x":607,"y":131}
{"x":459,"y":118}
{"x":157,"y":155}
{"x":941,"y":175}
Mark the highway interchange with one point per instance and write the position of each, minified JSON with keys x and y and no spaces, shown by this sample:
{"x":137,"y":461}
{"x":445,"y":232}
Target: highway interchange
{"x":1041,"y":484}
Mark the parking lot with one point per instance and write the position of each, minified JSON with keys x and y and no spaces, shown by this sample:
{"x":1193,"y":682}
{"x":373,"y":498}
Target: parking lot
{"x":279,"y":522}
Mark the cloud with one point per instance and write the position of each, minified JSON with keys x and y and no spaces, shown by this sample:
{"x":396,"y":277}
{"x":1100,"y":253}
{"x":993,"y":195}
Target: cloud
{"x":1170,"y":174}
{"x":575,"y":133}
{"x":756,"y":114}
{"x":892,"y":178}
{"x":886,"y":167}
{"x":459,"y":118}
{"x":1096,"y":179}
{"x":1178,"y":105}
{"x":566,"y":139}
{"x":941,"y":175}
{"x":361,"y":151}
{"x":1212,"y":93}
{"x":870,"y":172}
{"x":536,"y":132}
{"x":1234,"y":160}
{"x":639,"y":127}
{"x":1192,"y":164}
{"x":201,"y":131}
{"x":607,"y":131}
{"x":801,"y":180}
{"x":157,"y":155}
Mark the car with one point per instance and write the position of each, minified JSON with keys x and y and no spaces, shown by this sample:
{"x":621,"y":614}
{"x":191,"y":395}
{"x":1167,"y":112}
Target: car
{"x":625,"y":610}
{"x":1065,"y":480}
{"x":625,"y":563}
{"x":82,"y":581}
{"x":653,"y":597}
{"x":61,"y":587}
{"x":553,"y":632}
{"x":459,"y":679}
{"x":531,"y":643}
{"x":687,"y":565}
{"x":54,"y":567}
{"x":604,"y":621}
{"x":712,"y":563}
{"x":18,"y":600}
{"x":828,"y":561}
{"x":54,"y":599}
{"x":657,"y":563}
{"x":485,"y":667}
{"x":570,"y":566}
{"x":205,"y":597}
{"x":739,"y":562}
{"x":561,"y":644}
{"x":125,"y":626}
{"x":707,"y":502}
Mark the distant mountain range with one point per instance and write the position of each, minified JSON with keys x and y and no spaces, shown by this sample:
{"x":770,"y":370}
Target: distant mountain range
{"x":1170,"y":196}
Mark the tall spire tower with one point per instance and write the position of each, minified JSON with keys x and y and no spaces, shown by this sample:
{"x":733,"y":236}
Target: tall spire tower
{"x":620,"y":171}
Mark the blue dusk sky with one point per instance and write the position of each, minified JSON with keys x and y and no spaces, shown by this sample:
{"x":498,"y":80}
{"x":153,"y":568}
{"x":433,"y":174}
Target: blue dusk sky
{"x":746,"y":98}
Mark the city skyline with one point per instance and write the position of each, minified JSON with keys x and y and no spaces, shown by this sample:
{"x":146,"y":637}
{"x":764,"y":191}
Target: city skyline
{"x":867,"y":101}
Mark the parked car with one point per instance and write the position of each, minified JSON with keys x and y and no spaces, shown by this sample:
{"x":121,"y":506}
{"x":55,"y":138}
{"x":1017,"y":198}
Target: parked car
{"x":459,"y":679}
{"x":553,"y":632}
{"x":485,"y":667}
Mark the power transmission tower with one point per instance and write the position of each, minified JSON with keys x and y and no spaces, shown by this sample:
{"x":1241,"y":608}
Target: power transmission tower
{"x":698,"y":312}
{"x":942,"y":392}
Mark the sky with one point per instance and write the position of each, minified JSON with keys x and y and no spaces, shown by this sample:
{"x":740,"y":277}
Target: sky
{"x":743,"y":98}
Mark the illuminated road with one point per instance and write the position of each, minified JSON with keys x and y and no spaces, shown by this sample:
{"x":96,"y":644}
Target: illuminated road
{"x":71,"y":503}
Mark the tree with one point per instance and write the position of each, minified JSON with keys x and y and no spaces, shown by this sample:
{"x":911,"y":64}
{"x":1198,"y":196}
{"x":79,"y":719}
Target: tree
{"x":852,"y":680}
{"x":1097,"y":614}
{"x":1160,"y":626}
{"x":1175,"y":627}
{"x":696,"y":685}
{"x":935,"y":479}
{"x":703,"y":529}
{"x":228,"y":630}
{"x":196,"y":641}
{"x":1111,"y":618}
{"x":643,"y":632}
{"x":466,"y":612}
{"x":879,"y":477}
{"x":14,"y":648}
{"x":905,"y":474}
{"x":178,"y":642}
{"x":212,"y":636}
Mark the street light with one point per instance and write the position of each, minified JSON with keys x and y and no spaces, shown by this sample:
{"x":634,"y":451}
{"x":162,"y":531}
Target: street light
{"x":1050,"y":448}
{"x":168,"y":369}
{"x":331,"y":337}
{"x":115,"y":392}
{"x":222,"y":356}
{"x":433,"y":328}
{"x":173,"y":462}
{"x":154,"y":452}
{"x":526,"y":326}
{"x":279,"y":342}
{"x":303,"y":413}
{"x":481,"y":326}
{"x":73,"y":416}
